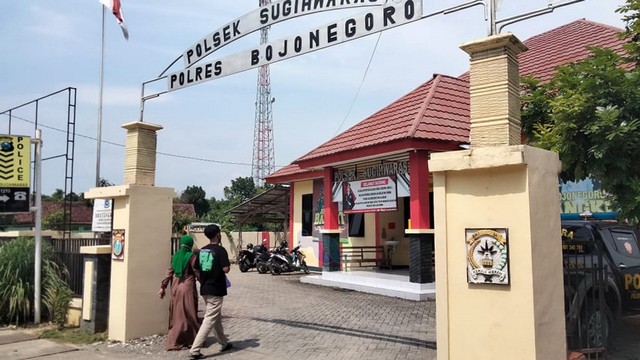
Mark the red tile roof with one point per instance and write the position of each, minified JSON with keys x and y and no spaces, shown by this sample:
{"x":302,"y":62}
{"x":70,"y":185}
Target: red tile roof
{"x":292,"y":172}
{"x":435,"y":115}
{"x":81,"y":213}
{"x":566,"y":44}
{"x":436,"y":110}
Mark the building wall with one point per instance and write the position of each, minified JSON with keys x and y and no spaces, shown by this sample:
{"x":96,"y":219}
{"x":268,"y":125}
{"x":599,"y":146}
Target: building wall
{"x":391,"y":221}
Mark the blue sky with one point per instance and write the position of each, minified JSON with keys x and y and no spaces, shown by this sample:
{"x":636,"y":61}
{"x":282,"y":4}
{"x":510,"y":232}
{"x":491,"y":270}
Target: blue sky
{"x":51,"y":45}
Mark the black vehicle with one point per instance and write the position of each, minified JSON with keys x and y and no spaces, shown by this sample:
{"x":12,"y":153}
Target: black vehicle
{"x":601,"y":279}
{"x":246,"y":258}
{"x":253,"y":256}
{"x":283,"y":261}
{"x":262,"y":256}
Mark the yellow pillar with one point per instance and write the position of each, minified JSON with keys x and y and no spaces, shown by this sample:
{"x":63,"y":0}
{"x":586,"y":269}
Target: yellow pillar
{"x":511,"y":189}
{"x":142,"y":215}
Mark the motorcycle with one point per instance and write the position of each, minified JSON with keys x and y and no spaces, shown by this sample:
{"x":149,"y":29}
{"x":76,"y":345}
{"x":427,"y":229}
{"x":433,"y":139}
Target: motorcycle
{"x":281,"y":261}
{"x":253,"y":256}
{"x":246,"y":258}
{"x":262,"y":256}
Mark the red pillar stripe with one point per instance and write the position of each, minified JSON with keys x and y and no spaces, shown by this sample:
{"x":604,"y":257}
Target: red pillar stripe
{"x":419,"y":190}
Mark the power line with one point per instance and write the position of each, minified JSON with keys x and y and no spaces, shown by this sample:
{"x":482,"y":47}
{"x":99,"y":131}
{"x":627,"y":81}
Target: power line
{"x":40,"y":124}
{"x":364,"y":76}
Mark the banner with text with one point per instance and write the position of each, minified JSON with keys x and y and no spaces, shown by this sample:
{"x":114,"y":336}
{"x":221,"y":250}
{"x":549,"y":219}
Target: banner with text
{"x":265,"y":16}
{"x":351,"y":28}
{"x":370,"y":195}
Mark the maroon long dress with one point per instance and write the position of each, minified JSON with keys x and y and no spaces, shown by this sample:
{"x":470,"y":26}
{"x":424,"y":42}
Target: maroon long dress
{"x":183,"y":309}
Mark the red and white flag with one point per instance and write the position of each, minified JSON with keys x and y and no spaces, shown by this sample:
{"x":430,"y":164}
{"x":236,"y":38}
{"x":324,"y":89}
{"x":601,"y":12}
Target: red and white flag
{"x":115,"y":7}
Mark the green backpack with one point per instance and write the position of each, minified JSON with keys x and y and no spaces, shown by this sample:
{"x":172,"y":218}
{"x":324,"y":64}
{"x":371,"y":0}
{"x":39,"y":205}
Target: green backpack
{"x":206,"y":258}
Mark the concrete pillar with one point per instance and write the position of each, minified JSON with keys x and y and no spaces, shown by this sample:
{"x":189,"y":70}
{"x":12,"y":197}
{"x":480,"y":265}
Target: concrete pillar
{"x":502,"y":196}
{"x":330,"y":207}
{"x":421,"y":231}
{"x":330,"y":250}
{"x":95,"y":294}
{"x":142,"y":216}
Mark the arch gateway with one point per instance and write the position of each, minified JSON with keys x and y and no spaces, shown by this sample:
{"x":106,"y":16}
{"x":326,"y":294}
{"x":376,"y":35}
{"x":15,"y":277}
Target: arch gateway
{"x":496,"y":187}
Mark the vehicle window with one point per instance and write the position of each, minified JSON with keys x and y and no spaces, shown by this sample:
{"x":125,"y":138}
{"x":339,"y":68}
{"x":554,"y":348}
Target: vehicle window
{"x":626,"y":243}
{"x":577,"y":240}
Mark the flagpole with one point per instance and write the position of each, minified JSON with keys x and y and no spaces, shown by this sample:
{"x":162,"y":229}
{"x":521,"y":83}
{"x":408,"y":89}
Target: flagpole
{"x":99,"y":135}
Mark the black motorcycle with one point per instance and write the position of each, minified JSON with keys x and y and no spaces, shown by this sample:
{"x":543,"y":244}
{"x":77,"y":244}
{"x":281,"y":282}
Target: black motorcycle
{"x":254,"y":257}
{"x":283,"y":261}
{"x":262,"y":256}
{"x":246,"y":258}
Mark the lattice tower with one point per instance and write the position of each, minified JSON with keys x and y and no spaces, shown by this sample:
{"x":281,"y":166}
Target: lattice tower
{"x":263,"y":162}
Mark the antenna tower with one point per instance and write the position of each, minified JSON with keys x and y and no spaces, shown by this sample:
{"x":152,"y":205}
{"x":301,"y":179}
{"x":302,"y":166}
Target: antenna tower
{"x":263,"y":162}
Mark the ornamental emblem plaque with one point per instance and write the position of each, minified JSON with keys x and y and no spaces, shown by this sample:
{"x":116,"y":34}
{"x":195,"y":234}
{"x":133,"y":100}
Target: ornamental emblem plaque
{"x":487,"y":256}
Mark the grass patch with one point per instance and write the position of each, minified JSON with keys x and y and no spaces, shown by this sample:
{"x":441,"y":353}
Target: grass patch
{"x":74,"y":336}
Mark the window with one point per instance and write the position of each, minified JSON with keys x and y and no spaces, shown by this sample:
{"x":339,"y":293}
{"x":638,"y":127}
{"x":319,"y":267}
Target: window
{"x":356,"y":225}
{"x":307,"y":215}
{"x":626,"y":243}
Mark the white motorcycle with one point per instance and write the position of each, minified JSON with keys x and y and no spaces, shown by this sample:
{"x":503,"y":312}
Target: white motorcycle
{"x":281,"y":261}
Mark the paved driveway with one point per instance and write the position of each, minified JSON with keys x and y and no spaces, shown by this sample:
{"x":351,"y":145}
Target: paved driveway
{"x":277,"y":317}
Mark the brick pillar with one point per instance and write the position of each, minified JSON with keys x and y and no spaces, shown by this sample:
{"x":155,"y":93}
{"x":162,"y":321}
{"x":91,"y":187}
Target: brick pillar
{"x":495,"y":90}
{"x":140,"y":153}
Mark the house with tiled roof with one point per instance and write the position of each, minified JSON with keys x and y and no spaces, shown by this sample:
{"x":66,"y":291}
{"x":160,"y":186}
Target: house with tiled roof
{"x":392,"y":147}
{"x":81,"y":216}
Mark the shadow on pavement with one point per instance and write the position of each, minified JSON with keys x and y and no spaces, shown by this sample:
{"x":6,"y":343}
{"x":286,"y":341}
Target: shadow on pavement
{"x":353,"y":332}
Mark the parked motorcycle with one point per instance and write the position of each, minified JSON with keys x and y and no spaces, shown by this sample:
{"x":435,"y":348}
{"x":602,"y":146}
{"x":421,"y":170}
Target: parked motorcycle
{"x":254,"y":256}
{"x":283,"y":261}
{"x":262,"y":256}
{"x":246,"y":258}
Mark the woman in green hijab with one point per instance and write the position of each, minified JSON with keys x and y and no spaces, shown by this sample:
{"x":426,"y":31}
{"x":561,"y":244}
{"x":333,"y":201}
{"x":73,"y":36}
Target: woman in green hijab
{"x":183,"y":308}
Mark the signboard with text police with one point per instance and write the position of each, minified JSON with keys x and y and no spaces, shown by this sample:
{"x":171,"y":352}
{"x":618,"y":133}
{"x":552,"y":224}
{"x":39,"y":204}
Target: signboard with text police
{"x":15,"y":166}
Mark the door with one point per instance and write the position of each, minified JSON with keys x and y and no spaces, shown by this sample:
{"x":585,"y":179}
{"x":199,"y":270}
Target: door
{"x":623,"y":247}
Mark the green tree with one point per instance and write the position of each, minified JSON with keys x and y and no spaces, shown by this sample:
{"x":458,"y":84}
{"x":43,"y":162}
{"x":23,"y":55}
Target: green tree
{"x":105,"y":183}
{"x":241,"y":190}
{"x":53,"y":220}
{"x":180,"y":220}
{"x":197,"y":196}
{"x":589,"y":113}
{"x":59,"y":196}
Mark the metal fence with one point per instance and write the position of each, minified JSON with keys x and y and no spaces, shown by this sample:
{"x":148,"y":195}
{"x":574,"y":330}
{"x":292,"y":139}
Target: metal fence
{"x":68,"y":254}
{"x":585,"y":289}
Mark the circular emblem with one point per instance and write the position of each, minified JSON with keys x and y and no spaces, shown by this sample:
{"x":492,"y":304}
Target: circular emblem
{"x":6,"y":146}
{"x":487,"y":257}
{"x":117,"y":248}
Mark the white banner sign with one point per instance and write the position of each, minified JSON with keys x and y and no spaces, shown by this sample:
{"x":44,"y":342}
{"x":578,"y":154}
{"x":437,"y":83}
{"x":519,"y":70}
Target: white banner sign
{"x":370,"y":195}
{"x":265,"y":16}
{"x":102,"y":215}
{"x":376,"y":20}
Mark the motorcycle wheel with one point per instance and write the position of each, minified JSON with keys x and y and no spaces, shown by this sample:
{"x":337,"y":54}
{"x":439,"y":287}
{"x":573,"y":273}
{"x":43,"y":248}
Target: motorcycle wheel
{"x":262,"y":268}
{"x":305,"y":268}
{"x":244,"y":267}
{"x":275,"y":269}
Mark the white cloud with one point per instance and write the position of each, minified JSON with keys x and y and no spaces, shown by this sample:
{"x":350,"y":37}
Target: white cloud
{"x":48,"y":23}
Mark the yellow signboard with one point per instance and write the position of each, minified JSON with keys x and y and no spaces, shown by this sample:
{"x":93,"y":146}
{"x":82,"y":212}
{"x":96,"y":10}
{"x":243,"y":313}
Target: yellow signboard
{"x":15,"y":161}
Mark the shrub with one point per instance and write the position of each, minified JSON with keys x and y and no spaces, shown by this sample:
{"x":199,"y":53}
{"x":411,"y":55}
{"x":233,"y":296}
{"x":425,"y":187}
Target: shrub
{"x":17,"y":275}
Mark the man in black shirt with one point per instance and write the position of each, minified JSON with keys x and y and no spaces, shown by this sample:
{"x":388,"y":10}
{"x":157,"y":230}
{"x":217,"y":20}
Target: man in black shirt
{"x":213,"y":264}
